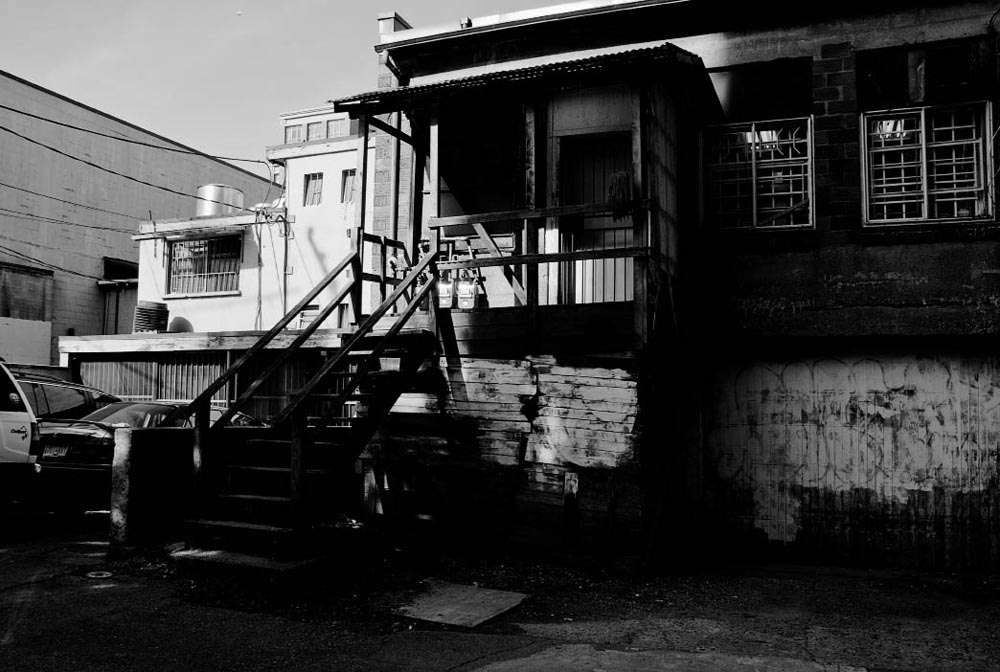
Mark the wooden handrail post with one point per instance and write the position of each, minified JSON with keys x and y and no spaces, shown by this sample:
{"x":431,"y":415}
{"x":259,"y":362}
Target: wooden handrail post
{"x":357,"y":270}
{"x":200,"y":449}
{"x":298,"y":467}
{"x":531,"y":273}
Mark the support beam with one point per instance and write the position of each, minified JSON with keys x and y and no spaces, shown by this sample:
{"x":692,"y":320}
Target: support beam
{"x":392,"y":130}
{"x":508,"y":271}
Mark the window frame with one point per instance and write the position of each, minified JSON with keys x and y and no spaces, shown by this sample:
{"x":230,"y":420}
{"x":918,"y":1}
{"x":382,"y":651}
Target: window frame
{"x":312,"y":189}
{"x":320,"y":129}
{"x":344,"y":174}
{"x":171,"y":278}
{"x":984,"y":117}
{"x":708,"y":217}
{"x":297,"y":130}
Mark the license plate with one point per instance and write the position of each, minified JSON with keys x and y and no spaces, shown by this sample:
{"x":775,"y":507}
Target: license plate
{"x":55,"y":451}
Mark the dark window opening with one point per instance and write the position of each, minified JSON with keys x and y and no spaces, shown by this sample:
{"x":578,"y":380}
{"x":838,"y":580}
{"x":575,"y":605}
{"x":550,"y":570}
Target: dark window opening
{"x":927,"y":74}
{"x":771,"y":90}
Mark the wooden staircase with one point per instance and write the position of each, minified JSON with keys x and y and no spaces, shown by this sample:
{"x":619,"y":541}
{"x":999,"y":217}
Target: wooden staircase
{"x":273,"y":497}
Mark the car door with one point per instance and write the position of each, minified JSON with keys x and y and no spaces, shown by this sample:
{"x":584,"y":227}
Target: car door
{"x":15,"y":422}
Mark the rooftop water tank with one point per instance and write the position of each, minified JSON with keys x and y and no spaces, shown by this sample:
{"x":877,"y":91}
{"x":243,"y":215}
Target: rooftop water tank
{"x":218,"y":199}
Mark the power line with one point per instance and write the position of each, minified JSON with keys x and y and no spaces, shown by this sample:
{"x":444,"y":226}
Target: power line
{"x":81,"y":205}
{"x":128,"y":140}
{"x":52,"y":267}
{"x":115,"y":172}
{"x":40,"y":218}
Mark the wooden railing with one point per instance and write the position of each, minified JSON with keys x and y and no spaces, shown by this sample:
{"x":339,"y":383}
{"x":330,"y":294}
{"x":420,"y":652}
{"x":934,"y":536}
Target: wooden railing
{"x":350,"y":271}
{"x":535,"y":277}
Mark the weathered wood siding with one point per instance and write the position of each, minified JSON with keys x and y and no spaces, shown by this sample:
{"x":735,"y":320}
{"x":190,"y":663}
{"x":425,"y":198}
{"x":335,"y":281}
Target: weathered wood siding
{"x":883,"y":458}
{"x":566,"y":437}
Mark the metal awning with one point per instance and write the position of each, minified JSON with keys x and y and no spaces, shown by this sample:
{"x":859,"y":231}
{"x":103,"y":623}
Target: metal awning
{"x":557,"y":65}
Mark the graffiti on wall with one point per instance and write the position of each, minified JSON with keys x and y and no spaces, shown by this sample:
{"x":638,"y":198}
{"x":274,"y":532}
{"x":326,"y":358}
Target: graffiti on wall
{"x":889,"y":426}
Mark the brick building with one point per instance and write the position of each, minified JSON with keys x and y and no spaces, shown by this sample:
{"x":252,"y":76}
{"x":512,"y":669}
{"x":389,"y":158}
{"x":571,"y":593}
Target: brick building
{"x":699,"y":279}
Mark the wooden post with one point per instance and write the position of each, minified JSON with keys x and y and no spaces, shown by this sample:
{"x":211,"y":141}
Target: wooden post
{"x":640,"y":225}
{"x":532,"y":272}
{"x":383,"y":267}
{"x":360,"y":203}
{"x":299,"y":444}
{"x":357,"y":269}
{"x":202,"y":430}
{"x":434,"y":210}
{"x":416,"y":201}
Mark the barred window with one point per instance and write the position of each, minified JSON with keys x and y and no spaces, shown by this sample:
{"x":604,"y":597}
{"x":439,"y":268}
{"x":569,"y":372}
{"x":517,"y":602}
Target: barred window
{"x":927,"y":163}
{"x":760,"y":174}
{"x":313,"y":189}
{"x":206,"y":265}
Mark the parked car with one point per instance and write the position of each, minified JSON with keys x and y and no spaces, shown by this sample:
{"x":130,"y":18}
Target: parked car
{"x":76,"y":455}
{"x":54,"y":398}
{"x":19,"y":436}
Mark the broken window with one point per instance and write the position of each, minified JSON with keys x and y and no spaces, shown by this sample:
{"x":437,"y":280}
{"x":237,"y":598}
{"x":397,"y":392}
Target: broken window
{"x":759,"y":174}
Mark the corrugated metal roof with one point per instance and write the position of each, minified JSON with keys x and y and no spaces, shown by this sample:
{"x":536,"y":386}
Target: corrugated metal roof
{"x":516,"y":71}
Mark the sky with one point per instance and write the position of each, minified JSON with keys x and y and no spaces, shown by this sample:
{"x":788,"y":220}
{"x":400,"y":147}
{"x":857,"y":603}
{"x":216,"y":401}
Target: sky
{"x":211,"y":74}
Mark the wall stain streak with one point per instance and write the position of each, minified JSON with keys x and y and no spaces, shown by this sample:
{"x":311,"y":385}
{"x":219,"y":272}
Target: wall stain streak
{"x":886,"y":456}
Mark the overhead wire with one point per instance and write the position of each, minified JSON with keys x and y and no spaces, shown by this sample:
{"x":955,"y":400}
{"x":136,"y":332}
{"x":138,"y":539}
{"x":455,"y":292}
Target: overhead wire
{"x":30,"y":216}
{"x":9,"y":251}
{"x":80,"y":205}
{"x":130,"y":141}
{"x":115,"y":172}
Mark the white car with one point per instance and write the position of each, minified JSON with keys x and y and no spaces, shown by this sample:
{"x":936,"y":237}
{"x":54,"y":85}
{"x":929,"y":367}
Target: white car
{"x":19,"y":438}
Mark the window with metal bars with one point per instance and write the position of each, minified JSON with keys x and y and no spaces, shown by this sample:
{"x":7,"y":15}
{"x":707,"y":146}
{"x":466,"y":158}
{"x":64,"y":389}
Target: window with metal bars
{"x":204,"y":266}
{"x":760,"y":174}
{"x":927,"y":163}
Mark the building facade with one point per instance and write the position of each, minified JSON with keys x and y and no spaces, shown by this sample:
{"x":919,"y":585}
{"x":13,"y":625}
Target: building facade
{"x":74,"y":185}
{"x":700,"y":284}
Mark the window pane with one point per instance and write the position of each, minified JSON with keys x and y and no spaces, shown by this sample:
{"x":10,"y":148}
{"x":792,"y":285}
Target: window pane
{"x":759,"y":174}
{"x":293,"y":134}
{"x":926,"y":163}
{"x":313,"y":189}
{"x":347,"y":186}
{"x":314,"y":131}
{"x":336,"y":128}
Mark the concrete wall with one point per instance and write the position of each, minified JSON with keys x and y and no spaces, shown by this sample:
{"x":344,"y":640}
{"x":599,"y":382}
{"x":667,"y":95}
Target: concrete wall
{"x":73,"y":238}
{"x":25,"y":341}
{"x":886,"y":457}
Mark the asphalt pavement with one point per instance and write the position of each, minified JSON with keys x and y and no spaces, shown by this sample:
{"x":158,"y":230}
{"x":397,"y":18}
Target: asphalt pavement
{"x":64,"y":605}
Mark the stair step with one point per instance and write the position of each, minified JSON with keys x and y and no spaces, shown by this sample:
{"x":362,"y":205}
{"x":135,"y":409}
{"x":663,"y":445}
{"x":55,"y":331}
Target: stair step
{"x":263,"y":499}
{"x":236,"y":525}
{"x":224,"y":558}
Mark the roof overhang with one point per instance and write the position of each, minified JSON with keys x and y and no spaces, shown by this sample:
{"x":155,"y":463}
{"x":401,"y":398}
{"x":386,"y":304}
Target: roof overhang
{"x":539,"y":69}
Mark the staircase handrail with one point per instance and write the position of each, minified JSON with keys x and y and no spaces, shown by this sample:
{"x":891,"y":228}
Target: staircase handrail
{"x":363,"y":368}
{"x":206,"y":395}
{"x":348,"y":344}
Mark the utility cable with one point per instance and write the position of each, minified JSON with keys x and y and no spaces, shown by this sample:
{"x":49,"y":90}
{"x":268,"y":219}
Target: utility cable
{"x":79,"y":205}
{"x":39,"y":218}
{"x":128,"y":140}
{"x":52,"y":267}
{"x":115,"y":172}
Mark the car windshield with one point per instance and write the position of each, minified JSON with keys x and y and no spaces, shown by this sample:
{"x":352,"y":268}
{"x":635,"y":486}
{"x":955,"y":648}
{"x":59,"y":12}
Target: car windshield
{"x":133,"y":415}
